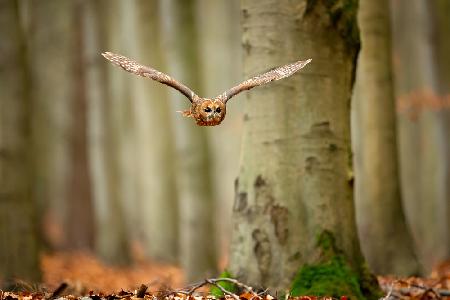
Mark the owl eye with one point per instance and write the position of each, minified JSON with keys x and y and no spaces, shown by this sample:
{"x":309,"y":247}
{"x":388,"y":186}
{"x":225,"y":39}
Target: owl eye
{"x":208,"y":109}
{"x":218,"y":110}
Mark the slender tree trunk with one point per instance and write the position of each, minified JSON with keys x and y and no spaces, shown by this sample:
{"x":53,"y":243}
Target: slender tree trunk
{"x":196,"y":197}
{"x":80,"y":211}
{"x":19,"y":233}
{"x":385,"y":238}
{"x":293,"y":211}
{"x":422,"y":136}
{"x":51,"y":23}
{"x":112,"y":243}
{"x":155,"y":145}
{"x":221,"y":69}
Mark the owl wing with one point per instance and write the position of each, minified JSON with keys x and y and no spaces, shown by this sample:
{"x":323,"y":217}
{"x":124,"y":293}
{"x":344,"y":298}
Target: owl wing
{"x":272,"y":75}
{"x":131,"y":66}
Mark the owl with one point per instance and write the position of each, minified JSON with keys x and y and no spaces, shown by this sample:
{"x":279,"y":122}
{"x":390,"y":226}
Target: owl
{"x":205,"y":111}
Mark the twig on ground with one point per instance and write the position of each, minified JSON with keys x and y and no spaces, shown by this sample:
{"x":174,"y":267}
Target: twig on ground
{"x":215,"y":282}
{"x":59,"y":290}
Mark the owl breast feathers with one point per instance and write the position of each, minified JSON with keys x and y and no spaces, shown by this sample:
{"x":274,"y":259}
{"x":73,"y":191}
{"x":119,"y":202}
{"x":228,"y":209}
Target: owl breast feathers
{"x":206,"y":112}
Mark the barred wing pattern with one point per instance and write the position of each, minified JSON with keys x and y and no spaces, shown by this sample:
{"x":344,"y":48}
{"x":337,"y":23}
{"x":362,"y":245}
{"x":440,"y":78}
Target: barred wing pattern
{"x":272,"y":75}
{"x":131,"y":66}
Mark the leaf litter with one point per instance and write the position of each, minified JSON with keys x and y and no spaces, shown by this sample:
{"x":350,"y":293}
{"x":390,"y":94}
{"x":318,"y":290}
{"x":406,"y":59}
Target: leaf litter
{"x":80,"y":276}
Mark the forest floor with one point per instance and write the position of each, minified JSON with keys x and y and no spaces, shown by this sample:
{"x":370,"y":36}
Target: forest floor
{"x":86,"y":275}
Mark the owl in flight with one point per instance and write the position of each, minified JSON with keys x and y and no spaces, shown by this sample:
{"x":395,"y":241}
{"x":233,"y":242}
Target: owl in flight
{"x":205,"y":111}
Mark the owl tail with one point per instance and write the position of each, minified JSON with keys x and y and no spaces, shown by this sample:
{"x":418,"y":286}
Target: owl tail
{"x":185,"y":113}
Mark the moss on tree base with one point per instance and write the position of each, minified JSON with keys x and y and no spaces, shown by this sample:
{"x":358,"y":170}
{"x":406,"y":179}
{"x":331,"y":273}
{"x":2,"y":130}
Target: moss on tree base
{"x":333,"y":275}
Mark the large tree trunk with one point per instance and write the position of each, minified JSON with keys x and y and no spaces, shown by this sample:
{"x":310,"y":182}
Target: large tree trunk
{"x":422,"y":131}
{"x":385,"y":238}
{"x":19,"y":257}
{"x":155,"y":146}
{"x":293,"y":210}
{"x":196,"y":197}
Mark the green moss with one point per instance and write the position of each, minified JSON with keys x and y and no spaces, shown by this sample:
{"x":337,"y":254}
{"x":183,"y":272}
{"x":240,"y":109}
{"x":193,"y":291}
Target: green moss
{"x":215,"y":291}
{"x":332,"y":278}
{"x":333,"y":275}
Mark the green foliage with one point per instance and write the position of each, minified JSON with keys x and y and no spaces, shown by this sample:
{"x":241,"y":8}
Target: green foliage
{"x":215,"y":291}
{"x":333,"y":275}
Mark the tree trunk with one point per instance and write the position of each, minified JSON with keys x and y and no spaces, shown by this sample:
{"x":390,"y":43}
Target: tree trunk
{"x":441,"y":31}
{"x":422,"y":135}
{"x":221,"y":69}
{"x":80,"y":211}
{"x":293,"y":211}
{"x":19,"y":234}
{"x":53,"y":80}
{"x":155,"y":145}
{"x":196,"y":197}
{"x":112,"y":242}
{"x":385,"y":238}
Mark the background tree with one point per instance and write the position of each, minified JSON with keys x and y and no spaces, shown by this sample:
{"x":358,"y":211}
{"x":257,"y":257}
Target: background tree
{"x":18,"y":214}
{"x":221,"y":68}
{"x":423,"y":134}
{"x":80,"y":209}
{"x":112,"y":242}
{"x":155,"y":145}
{"x":196,"y":198}
{"x":387,"y":244}
{"x":53,"y":95}
{"x":294,"y":214}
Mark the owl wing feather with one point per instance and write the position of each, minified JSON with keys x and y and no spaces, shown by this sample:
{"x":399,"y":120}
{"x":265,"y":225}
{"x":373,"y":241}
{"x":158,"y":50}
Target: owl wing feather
{"x":132,"y":66}
{"x":272,"y":75}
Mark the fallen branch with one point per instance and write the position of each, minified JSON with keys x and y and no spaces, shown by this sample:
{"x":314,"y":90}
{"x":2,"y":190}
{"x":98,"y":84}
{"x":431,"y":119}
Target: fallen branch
{"x":215,"y":282}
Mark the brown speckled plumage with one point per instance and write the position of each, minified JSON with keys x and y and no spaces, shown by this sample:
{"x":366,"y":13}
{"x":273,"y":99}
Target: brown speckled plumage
{"x":206,"y":112}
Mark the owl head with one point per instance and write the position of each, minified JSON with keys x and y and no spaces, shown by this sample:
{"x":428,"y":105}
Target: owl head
{"x":210,"y":112}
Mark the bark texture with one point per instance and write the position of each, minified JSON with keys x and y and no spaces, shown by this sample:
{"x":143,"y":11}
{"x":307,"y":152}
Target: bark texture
{"x":385,"y":237}
{"x":19,"y":233}
{"x":295,"y":183}
{"x":196,"y":199}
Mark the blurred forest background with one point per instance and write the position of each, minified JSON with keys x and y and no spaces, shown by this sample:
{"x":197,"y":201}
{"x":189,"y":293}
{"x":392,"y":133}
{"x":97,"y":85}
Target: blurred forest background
{"x":95,"y":160}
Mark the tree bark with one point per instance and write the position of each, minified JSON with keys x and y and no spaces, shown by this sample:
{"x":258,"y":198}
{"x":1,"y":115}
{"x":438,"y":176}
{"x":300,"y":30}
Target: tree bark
{"x":385,"y":238}
{"x":196,"y":197}
{"x":293,"y":211}
{"x":19,"y":233}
